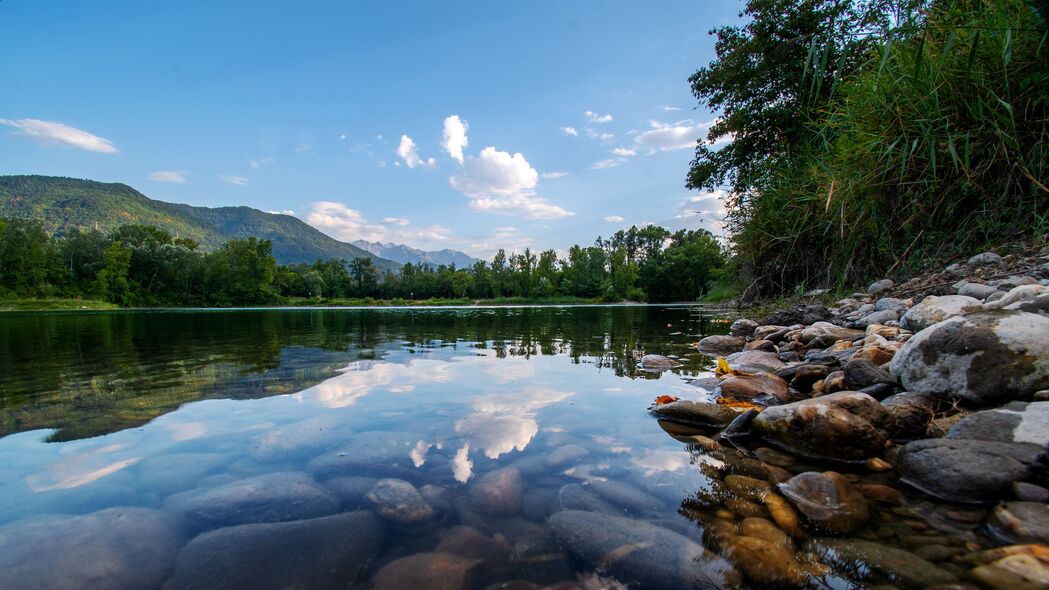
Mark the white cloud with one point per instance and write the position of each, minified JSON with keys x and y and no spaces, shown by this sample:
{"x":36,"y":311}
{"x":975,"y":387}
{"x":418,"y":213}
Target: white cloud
{"x":233,"y":179}
{"x":596,"y":118}
{"x":455,"y":137}
{"x":553,"y":175}
{"x":606,"y":137}
{"x":342,"y":137}
{"x":669,"y":109}
{"x":570,"y":131}
{"x":172,"y":176}
{"x":53,"y":132}
{"x":624,"y":152}
{"x":302,"y":147}
{"x":498,"y":182}
{"x":396,"y":220}
{"x":672,"y":136}
{"x":705,"y":210}
{"x":261,"y":162}
{"x":614,"y":218}
{"x":343,"y":223}
{"x":608,"y":163}
{"x":407,"y":152}
{"x":284,"y":212}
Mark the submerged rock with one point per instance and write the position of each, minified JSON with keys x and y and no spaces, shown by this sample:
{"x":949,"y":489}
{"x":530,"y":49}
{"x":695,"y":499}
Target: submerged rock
{"x":848,"y":426}
{"x":828,"y":500}
{"x":898,"y":565}
{"x":758,"y":385}
{"x":658,"y":361}
{"x":966,"y":470}
{"x":933,"y":310}
{"x":399,"y":501}
{"x":700,"y":413}
{"x":115,"y":548}
{"x":1025,"y":522}
{"x":328,"y":552}
{"x":985,"y":357}
{"x":366,"y":453}
{"x":498,"y":492}
{"x":636,"y":552}
{"x":274,"y":497}
{"x":1017,"y":567}
{"x":433,"y":571}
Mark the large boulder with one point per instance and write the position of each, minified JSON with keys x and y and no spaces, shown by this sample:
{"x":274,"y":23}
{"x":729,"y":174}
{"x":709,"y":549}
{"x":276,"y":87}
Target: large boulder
{"x":933,"y":310}
{"x":328,"y":552}
{"x":847,"y":426}
{"x":721,"y":343}
{"x":1015,"y":423}
{"x":113,"y":548}
{"x":985,"y":357}
{"x":274,"y":497}
{"x":705,"y":415}
{"x":752,"y":361}
{"x":764,"y":388}
{"x":962,"y":470}
{"x":657,"y":557}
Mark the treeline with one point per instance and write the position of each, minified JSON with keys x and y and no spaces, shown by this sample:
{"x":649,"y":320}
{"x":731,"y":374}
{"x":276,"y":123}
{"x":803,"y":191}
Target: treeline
{"x":863,"y":137}
{"x":145,"y":266}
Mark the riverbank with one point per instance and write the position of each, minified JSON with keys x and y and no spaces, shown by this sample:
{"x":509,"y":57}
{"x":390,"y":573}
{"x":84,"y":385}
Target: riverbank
{"x":927,"y":401}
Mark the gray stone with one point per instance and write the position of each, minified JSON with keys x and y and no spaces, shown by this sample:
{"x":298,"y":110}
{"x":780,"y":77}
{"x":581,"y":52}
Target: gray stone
{"x":976,"y":290}
{"x":658,"y":361}
{"x":498,"y":492}
{"x":329,"y":552}
{"x":801,"y":314}
{"x":721,"y":343}
{"x":366,"y":453}
{"x":887,"y":303}
{"x":910,"y":414}
{"x":565,"y":455}
{"x":984,"y":258}
{"x":881,"y":286}
{"x":825,"y":334}
{"x":399,"y":501}
{"x":351,"y":490}
{"x":702,"y":414}
{"x":743,"y":327}
{"x":848,"y":426}
{"x":753,"y":361}
{"x":658,"y":558}
{"x":432,"y":571}
{"x":966,"y":470}
{"x":860,"y":373}
{"x":828,"y":500}
{"x":622,"y":494}
{"x":985,"y":357}
{"x":1028,"y":492}
{"x":1018,"y":423}
{"x":574,"y":496}
{"x":1017,"y":296}
{"x":312,"y":434}
{"x":900,"y":566}
{"x":878,"y":317}
{"x":1022,"y":522}
{"x":274,"y":497}
{"x":115,"y":548}
{"x":933,"y":310}
{"x":174,"y":472}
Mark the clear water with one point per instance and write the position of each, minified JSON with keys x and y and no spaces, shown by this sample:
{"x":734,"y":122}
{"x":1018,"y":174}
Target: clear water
{"x":151,"y":410}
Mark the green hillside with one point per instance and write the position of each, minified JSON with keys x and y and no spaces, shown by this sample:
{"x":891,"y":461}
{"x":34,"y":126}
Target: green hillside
{"x":66,"y":203}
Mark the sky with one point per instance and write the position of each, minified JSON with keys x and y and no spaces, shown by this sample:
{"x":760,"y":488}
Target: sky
{"x":471,"y":125}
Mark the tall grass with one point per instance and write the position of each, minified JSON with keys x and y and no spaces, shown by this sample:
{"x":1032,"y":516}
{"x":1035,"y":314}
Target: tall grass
{"x":938,"y":147}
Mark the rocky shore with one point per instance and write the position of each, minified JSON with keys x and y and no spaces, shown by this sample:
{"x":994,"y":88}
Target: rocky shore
{"x":905,"y":435}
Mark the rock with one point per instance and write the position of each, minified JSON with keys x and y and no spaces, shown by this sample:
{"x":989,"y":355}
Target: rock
{"x":825,"y":334}
{"x":933,"y":310}
{"x":399,"y":501}
{"x":752,"y":361}
{"x":861,"y":373}
{"x":440,"y":498}
{"x":909,"y":414}
{"x":893,"y":303}
{"x":801,"y":314}
{"x":876,"y":355}
{"x":467,"y":542}
{"x":539,"y":503}
{"x":783,"y":513}
{"x":976,"y":290}
{"x":433,"y":571}
{"x":498,"y":492}
{"x":765,"y":563}
{"x":1017,"y":422}
{"x":168,"y":473}
{"x":274,"y":497}
{"x":770,"y":333}
{"x":758,"y":385}
{"x":984,"y":258}
{"x":965,"y":470}
{"x":1018,"y":567}
{"x":566,"y":454}
{"x":1025,"y":522}
{"x":984,"y":357}
{"x":622,"y":494}
{"x":743,"y":328}
{"x":699,"y":413}
{"x":878,"y":318}
{"x":312,"y":434}
{"x":574,"y":496}
{"x":351,"y":490}
{"x":806,"y":376}
{"x":881,"y":286}
{"x":762,"y":346}
{"x":326,"y":552}
{"x":720,"y":343}
{"x":900,"y":566}
{"x":881,"y":330}
{"x":1018,"y":297}
{"x":636,"y":552}
{"x":658,"y":361}
{"x":1028,"y":492}
{"x":848,"y":426}
{"x":366,"y":453}
{"x":828,"y":500}
{"x":762,"y":528}
{"x":114,"y":548}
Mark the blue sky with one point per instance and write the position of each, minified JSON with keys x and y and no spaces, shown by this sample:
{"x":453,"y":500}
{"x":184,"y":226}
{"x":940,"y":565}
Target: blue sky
{"x":577,"y":116}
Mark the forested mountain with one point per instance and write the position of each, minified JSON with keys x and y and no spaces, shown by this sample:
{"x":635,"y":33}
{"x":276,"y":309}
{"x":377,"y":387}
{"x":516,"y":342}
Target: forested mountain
{"x":63,"y":204}
{"x":406,"y":254}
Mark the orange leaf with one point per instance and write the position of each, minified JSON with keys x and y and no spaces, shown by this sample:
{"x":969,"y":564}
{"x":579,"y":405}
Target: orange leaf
{"x":737,"y":404}
{"x":665,"y":399}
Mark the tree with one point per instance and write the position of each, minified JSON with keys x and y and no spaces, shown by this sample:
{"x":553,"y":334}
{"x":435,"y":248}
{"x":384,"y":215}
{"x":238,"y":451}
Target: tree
{"x":112,"y":283}
{"x":363,"y":272}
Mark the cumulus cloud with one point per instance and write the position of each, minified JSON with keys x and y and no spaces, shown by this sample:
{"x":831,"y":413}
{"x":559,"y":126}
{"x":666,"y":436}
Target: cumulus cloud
{"x":407,"y":152}
{"x":455,"y":137}
{"x":596,"y":118}
{"x":624,"y":152}
{"x":706,"y":210}
{"x":172,"y":176}
{"x":503,"y":183}
{"x":284,"y":212}
{"x":553,"y":175}
{"x":664,"y":137}
{"x":570,"y":131}
{"x":233,"y":179}
{"x":53,"y":132}
{"x":396,"y":220}
{"x":608,"y":163}
{"x":614,"y":218}
{"x":344,"y":223}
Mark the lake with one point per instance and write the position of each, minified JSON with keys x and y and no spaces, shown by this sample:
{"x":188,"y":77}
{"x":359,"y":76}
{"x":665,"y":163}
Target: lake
{"x":385,"y":448}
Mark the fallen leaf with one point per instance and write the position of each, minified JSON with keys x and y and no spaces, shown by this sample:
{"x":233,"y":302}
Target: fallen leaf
{"x":665,"y":399}
{"x":737,"y":404}
{"x":724,"y":370}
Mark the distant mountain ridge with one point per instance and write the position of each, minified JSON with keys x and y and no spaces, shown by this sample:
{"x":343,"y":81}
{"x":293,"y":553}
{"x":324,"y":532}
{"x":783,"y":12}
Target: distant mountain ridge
{"x":406,"y":254}
{"x":63,"y":204}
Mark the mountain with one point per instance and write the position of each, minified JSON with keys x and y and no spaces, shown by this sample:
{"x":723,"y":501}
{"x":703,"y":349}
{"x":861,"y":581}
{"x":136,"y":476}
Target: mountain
{"x":402,"y":254}
{"x":66,"y":203}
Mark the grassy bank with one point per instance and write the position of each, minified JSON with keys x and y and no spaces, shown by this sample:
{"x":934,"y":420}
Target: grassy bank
{"x":87,"y":304}
{"x":53,"y":304}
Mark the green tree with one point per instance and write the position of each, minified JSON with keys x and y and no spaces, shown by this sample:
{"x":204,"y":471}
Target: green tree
{"x":112,"y":282}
